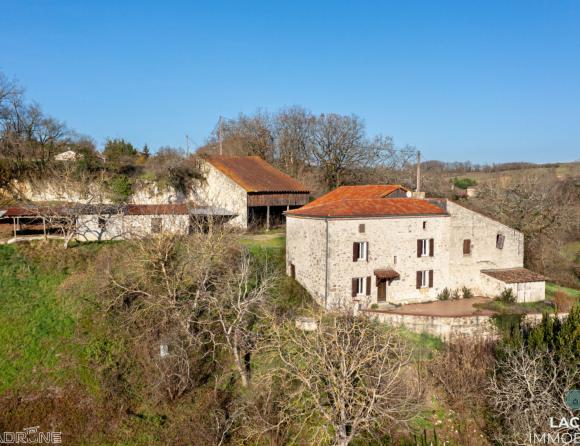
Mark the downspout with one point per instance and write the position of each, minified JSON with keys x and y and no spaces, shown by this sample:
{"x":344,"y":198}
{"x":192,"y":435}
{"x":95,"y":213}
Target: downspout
{"x":326,"y":270}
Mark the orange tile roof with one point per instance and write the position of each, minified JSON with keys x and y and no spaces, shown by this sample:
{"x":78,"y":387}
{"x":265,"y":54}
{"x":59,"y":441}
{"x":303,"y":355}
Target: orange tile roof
{"x":366,"y":201}
{"x":256,"y":175}
{"x":370,"y":207}
{"x":355,"y":193}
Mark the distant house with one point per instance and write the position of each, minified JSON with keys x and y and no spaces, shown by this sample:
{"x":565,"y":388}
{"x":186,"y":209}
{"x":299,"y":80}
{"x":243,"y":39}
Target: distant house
{"x":69,"y":155}
{"x":251,"y":188}
{"x":376,"y":244}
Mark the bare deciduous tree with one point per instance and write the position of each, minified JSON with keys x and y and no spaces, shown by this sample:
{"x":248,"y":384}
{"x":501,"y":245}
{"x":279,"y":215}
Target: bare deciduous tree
{"x":294,"y":128}
{"x":351,"y":375}
{"x":157,"y":289}
{"x":527,"y":388}
{"x":234,"y":306}
{"x":536,"y":208}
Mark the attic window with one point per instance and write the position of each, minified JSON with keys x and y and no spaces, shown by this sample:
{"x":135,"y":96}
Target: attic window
{"x":361,"y":228}
{"x":424,"y":225}
{"x":499,"y":240}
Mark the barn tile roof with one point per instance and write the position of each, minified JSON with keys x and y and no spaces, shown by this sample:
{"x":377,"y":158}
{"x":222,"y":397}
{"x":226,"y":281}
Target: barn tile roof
{"x":366,"y":201}
{"x":514,"y":275}
{"x":256,"y":175}
{"x":125,"y":209}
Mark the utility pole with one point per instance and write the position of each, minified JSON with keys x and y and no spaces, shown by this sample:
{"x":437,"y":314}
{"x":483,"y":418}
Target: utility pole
{"x":418,"y":171}
{"x":187,"y":144}
{"x":221,"y":137}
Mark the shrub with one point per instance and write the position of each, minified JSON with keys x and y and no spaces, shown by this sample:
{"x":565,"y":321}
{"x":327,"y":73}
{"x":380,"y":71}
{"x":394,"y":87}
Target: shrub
{"x":467,"y":293}
{"x":444,"y":294}
{"x":121,"y":188}
{"x":563,"y":301}
{"x":374,"y":306}
{"x":455,"y":295}
{"x":507,"y":296}
{"x":464,"y":183}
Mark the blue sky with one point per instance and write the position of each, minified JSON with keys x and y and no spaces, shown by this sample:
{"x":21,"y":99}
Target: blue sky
{"x":480,"y":80}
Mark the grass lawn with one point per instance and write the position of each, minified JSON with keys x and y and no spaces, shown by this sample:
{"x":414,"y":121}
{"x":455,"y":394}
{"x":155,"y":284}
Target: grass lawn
{"x":39,"y":342}
{"x":516,"y":308}
{"x":274,"y":239}
{"x":34,"y":325}
{"x":552,"y":288}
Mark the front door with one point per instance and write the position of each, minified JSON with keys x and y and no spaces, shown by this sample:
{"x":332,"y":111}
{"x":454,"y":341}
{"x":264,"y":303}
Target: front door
{"x":382,"y":290}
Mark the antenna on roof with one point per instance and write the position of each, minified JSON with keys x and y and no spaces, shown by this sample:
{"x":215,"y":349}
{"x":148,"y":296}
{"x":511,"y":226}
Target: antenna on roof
{"x":418,"y":171}
{"x":220,"y":137}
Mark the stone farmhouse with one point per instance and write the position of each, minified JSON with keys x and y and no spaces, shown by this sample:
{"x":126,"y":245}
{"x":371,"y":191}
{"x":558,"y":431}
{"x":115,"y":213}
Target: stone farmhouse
{"x":377,"y":244}
{"x":251,"y":188}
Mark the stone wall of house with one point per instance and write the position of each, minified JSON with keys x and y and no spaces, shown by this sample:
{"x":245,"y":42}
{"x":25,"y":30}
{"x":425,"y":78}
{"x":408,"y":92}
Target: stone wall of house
{"x":220,"y":191}
{"x":306,"y":250}
{"x":118,"y":226}
{"x":392,"y":243}
{"x":464,"y":270}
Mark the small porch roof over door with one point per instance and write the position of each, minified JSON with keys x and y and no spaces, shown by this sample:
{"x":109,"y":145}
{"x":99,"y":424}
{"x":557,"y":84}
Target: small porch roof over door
{"x":386,"y":274}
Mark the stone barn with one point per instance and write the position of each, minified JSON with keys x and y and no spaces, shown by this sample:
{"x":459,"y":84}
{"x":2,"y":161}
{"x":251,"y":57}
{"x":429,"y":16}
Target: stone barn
{"x":252,"y":189}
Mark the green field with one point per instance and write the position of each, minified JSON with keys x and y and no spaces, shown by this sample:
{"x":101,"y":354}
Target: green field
{"x":39,"y":323}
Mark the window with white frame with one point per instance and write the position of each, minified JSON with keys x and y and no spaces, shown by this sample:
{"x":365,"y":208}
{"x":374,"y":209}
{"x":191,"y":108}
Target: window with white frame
{"x":360,"y":286}
{"x":424,"y":247}
{"x":424,"y":279}
{"x":362,"y":250}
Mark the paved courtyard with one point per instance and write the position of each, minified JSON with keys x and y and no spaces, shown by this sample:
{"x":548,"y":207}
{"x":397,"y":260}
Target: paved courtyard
{"x":451,"y":308}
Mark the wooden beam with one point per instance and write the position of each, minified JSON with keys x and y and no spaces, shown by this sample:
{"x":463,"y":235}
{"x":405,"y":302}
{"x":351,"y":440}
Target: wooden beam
{"x":267,"y":218}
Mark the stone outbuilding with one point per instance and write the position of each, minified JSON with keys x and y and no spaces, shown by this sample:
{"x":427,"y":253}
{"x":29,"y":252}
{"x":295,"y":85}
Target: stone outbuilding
{"x":377,"y":244}
{"x":94,"y":222}
{"x":251,"y":188}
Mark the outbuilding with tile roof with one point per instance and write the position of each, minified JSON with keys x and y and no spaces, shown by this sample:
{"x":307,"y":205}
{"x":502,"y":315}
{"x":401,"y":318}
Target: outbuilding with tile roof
{"x":257,"y":192}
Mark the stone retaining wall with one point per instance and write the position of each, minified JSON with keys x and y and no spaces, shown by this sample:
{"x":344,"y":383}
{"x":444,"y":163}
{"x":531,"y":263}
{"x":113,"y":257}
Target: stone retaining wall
{"x":447,"y":327}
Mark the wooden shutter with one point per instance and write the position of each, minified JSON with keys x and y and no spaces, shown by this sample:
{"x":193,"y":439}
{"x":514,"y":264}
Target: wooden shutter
{"x":368,"y":248}
{"x":368,"y":285}
{"x":354,"y":287}
{"x":430,"y":278}
{"x":499,"y":241}
{"x":419,"y":245}
{"x":466,"y":246}
{"x":355,"y":251}
{"x":418,"y":279}
{"x":431,"y":247}
{"x":361,"y":228}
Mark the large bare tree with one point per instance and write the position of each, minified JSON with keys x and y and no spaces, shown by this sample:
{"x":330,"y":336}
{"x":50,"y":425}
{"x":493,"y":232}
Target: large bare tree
{"x":351,"y":375}
{"x":539,"y":209}
{"x":240,"y":295}
{"x":294,"y":138}
{"x":527,"y":388}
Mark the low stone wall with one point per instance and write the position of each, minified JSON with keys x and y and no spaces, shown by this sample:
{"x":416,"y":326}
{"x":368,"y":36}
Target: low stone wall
{"x":447,"y":327}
